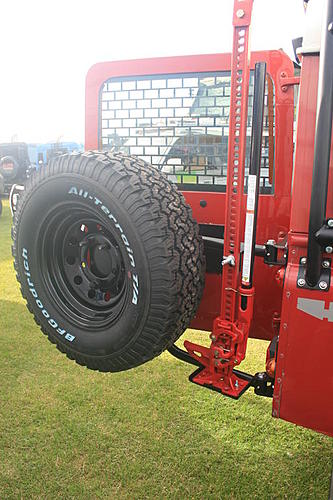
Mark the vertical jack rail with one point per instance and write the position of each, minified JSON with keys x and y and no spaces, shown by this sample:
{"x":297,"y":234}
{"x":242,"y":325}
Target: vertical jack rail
{"x":240,"y":74}
{"x":254,"y":175}
{"x":322,"y":148}
{"x":229,"y":335}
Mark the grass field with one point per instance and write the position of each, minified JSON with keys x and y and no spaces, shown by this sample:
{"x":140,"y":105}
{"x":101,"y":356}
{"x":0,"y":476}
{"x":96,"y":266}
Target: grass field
{"x":66,"y":432}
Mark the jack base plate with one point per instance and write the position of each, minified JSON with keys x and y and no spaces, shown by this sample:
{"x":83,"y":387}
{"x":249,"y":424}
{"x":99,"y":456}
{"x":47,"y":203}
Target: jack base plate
{"x":234,"y":388}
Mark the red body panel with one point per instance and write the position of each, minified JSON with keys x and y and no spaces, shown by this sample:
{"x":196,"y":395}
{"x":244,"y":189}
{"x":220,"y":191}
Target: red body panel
{"x":274,"y":210}
{"x":303,"y":391}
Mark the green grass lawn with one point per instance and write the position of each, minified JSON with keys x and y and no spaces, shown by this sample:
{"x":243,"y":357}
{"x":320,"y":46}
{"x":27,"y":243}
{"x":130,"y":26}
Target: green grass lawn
{"x":66,"y":432}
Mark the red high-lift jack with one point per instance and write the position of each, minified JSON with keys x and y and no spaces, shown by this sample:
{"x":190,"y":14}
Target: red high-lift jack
{"x":231,"y":327}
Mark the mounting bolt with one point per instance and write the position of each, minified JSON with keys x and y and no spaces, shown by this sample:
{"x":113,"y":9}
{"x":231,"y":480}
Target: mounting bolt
{"x":102,"y":247}
{"x":301,"y":282}
{"x":229,"y":260}
{"x":323,"y":285}
{"x":329,"y":249}
{"x":236,"y":384}
{"x":213,"y":337}
{"x":216,"y":363}
{"x":240,"y":13}
{"x":303,"y":260}
{"x":330,"y":222}
{"x":216,"y":354}
{"x":326,"y":264}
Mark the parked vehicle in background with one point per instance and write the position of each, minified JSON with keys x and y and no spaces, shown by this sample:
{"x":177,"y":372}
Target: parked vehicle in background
{"x":41,"y":154}
{"x":14,"y":163}
{"x":38,"y":156}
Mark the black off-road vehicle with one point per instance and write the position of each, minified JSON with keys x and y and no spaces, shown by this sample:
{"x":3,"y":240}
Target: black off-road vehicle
{"x":14,"y":163}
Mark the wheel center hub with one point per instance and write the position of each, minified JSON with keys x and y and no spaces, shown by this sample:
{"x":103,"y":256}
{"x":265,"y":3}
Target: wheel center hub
{"x":100,"y":259}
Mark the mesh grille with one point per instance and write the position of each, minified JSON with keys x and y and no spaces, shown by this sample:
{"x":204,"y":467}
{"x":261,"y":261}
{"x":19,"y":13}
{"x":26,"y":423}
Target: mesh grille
{"x":179,"y":124}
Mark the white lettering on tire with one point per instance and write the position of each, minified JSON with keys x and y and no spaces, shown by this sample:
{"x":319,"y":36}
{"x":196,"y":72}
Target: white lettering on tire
{"x":68,"y":336}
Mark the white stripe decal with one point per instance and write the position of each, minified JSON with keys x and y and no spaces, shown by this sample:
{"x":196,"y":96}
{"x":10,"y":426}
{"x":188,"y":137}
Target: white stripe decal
{"x":316,"y":308}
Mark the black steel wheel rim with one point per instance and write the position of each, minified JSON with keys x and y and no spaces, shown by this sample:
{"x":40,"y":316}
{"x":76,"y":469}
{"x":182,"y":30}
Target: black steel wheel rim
{"x":83,"y":266}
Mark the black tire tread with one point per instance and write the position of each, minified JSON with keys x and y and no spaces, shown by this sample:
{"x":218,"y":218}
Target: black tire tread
{"x":155,"y":201}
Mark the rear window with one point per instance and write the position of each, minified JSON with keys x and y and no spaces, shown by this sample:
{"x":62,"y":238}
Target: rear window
{"x":180,"y":124}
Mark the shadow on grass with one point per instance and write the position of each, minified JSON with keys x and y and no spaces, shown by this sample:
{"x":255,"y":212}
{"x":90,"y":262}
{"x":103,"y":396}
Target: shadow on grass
{"x":144,"y":433}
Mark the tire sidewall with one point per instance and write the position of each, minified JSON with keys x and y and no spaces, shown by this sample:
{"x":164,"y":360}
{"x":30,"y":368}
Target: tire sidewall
{"x":72,"y":189}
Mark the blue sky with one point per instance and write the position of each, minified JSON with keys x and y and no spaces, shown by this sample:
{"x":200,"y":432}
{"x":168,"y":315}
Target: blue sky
{"x":47,"y":48}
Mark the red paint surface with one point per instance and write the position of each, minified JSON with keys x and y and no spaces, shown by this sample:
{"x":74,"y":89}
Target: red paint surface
{"x":303,"y":391}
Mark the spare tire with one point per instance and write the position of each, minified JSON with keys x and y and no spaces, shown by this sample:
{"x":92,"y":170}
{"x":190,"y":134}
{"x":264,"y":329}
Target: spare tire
{"x":8,"y":167}
{"x":109,"y":258}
